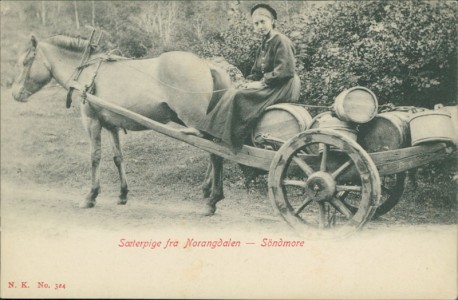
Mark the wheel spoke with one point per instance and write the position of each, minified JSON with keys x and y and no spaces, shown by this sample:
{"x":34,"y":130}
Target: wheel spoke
{"x":324,"y":157}
{"x":297,"y":183}
{"x":350,"y":188}
{"x":322,"y":223}
{"x":304,"y":204}
{"x":342,"y":194}
{"x":341,"y":169}
{"x":303,"y":151}
{"x":304,"y":166}
{"x":341,"y":207}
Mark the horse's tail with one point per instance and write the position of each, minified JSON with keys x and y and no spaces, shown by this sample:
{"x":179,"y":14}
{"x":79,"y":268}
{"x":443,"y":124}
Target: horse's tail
{"x":221,"y":84}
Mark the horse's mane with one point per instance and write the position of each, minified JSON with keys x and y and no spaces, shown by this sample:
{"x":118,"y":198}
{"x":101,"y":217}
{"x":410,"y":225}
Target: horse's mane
{"x":71,"y":43}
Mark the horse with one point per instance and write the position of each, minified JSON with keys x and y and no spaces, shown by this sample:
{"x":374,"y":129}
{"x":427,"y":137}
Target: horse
{"x":173,"y":87}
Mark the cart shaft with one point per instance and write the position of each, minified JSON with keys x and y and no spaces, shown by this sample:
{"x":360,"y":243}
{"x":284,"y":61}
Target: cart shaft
{"x":250,"y":156}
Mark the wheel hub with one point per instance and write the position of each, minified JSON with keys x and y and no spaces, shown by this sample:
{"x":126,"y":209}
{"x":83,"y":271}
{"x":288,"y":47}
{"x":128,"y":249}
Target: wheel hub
{"x":320,"y":186}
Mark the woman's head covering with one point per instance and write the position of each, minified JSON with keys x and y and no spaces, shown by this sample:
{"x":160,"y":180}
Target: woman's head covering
{"x":264,"y":10}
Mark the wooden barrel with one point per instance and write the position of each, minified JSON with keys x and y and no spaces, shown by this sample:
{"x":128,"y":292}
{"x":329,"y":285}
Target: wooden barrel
{"x":327,"y":121}
{"x":358,"y":105}
{"x":431,"y":126}
{"x":281,"y":122}
{"x":387,"y":131}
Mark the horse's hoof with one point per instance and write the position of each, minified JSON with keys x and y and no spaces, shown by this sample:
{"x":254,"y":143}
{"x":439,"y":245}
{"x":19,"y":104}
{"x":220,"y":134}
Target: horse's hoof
{"x":87,"y":204}
{"x":209,"y":210}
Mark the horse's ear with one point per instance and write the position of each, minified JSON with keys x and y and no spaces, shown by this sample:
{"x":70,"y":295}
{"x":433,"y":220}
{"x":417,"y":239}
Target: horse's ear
{"x":34,"y":41}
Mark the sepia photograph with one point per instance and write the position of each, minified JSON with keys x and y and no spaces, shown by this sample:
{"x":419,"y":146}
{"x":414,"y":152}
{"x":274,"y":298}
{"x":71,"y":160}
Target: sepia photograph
{"x":229,"y":149}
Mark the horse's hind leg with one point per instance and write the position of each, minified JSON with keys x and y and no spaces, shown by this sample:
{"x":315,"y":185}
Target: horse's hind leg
{"x":119,"y":162}
{"x":217,"y":193}
{"x":94,"y":130}
{"x":207,"y":184}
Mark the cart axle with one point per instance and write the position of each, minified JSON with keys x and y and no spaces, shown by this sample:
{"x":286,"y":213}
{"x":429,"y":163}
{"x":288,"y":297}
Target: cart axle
{"x":321,"y":186}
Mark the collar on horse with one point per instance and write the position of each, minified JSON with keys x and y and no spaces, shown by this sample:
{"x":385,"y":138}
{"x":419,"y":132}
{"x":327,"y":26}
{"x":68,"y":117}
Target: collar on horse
{"x":84,"y":63}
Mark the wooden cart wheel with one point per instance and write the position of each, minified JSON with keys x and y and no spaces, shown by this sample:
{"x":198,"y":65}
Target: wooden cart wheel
{"x":392,"y":190}
{"x":304,"y":187}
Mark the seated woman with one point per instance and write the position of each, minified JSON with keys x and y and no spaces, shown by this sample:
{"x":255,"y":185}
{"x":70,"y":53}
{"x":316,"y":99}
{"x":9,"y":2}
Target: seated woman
{"x":275,"y":80}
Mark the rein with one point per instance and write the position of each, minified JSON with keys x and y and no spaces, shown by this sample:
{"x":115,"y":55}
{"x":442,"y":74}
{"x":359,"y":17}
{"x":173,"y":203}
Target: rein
{"x":314,"y":106}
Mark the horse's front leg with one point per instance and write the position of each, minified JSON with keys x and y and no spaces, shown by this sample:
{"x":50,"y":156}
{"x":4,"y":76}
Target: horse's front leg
{"x":217,"y":193}
{"x":94,"y":130}
{"x":119,"y":162}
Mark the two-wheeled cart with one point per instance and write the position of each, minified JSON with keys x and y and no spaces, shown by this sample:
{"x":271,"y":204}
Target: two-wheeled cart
{"x":320,"y":181}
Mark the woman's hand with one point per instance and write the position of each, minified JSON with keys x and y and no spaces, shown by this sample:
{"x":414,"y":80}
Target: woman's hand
{"x":254,"y":85}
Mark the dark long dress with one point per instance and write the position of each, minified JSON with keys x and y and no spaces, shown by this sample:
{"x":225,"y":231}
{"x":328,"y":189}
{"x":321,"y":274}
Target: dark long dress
{"x":233,"y":118}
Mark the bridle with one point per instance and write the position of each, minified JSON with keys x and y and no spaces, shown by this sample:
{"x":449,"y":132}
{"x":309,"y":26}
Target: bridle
{"x":28,"y":61}
{"x":30,"y":58}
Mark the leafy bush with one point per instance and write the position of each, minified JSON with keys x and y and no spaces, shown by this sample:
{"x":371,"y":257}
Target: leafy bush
{"x":404,"y":51}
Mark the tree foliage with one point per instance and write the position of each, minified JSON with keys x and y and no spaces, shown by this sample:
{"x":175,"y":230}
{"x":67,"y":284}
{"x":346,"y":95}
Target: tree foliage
{"x":237,"y":44}
{"x":405,"y":51}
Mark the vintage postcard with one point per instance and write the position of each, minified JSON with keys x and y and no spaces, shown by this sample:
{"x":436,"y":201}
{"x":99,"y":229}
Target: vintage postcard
{"x":229,"y":149}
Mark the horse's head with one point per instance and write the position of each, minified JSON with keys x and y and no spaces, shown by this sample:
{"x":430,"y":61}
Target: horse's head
{"x":34,"y":72}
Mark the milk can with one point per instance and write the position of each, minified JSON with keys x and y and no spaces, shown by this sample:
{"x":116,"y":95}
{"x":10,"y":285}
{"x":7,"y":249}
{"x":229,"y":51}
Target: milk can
{"x":431,"y":126}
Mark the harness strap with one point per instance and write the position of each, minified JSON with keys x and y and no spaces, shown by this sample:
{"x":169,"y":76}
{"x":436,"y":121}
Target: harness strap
{"x":90,"y":88}
{"x":82,"y":64}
